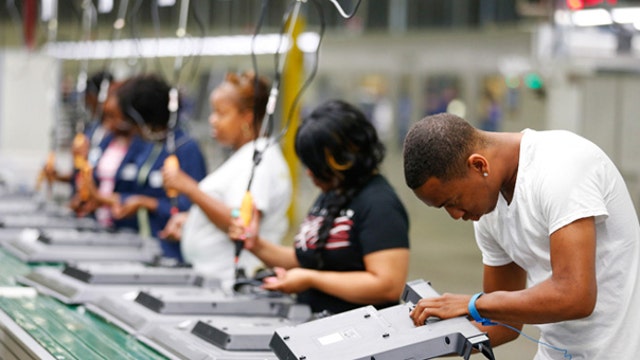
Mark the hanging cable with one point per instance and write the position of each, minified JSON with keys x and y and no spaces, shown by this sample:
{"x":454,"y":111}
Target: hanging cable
{"x":80,"y":162}
{"x":288,"y":25}
{"x":171,"y":162}
{"x":195,"y":57}
{"x":135,"y":33}
{"x":565,"y":352}
{"x":289,"y":21}
{"x":155,"y":19}
{"x":89,"y":19}
{"x":105,"y":83}
{"x":49,"y":167}
{"x":312,"y":73}
{"x":268,"y":122}
{"x":342,"y":12}
{"x":52,"y":22}
{"x":132,"y":20}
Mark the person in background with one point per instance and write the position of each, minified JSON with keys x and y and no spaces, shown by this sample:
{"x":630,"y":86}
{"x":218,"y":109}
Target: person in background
{"x":128,"y":178}
{"x":353,"y":247}
{"x":144,"y":101}
{"x":88,"y":199}
{"x":238,"y":107}
{"x":87,"y":146}
{"x":96,"y":129}
{"x":558,"y":232}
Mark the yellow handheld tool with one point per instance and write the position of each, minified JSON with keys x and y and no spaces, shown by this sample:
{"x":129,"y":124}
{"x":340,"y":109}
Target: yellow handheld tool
{"x":244,"y":213}
{"x":48,"y":168}
{"x":172,"y":163}
{"x":246,"y":208}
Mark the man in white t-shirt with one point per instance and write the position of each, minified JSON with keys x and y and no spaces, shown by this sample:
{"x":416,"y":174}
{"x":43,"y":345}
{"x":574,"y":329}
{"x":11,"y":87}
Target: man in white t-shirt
{"x":558,"y":232}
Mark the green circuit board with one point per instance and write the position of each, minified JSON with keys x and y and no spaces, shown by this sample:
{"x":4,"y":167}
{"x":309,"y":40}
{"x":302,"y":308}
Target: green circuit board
{"x":70,"y":332}
{"x":10,"y":268}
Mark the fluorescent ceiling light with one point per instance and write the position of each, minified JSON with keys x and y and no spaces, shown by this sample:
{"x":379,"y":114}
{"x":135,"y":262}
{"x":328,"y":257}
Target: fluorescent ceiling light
{"x":591,"y":17}
{"x":172,"y":47}
{"x":598,"y":17}
{"x":625,"y":15}
{"x":48,"y":9}
{"x":105,"y":6}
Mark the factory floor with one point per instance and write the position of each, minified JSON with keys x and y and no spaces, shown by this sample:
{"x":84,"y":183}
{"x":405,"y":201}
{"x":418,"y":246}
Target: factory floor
{"x":443,"y":251}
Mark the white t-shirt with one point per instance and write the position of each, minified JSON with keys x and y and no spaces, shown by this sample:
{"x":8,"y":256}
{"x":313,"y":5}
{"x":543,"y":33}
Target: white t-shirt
{"x":208,"y":248}
{"x":562,"y":178}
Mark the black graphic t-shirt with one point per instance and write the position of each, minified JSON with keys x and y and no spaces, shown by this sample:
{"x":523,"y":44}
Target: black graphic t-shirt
{"x":374,"y":220}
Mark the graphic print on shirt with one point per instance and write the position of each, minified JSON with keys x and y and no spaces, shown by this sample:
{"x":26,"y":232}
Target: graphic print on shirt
{"x":307,"y":237}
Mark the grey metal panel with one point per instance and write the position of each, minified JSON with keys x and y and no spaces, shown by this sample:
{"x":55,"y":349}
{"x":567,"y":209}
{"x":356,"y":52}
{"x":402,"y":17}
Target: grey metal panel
{"x":53,"y":282}
{"x":29,"y":249}
{"x":19,"y":344}
{"x":387,"y":334}
{"x":180,"y":344}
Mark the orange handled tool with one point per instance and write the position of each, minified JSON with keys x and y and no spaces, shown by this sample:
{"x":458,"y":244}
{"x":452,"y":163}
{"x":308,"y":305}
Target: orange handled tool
{"x":83,"y":181}
{"x":78,"y":145}
{"x":172,"y":163}
{"x":48,"y":167}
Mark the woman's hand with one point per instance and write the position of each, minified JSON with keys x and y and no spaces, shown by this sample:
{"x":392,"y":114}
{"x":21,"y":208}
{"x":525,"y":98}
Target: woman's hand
{"x":247,"y":234}
{"x":121,"y":210}
{"x":178,"y":180}
{"x":173,"y":229}
{"x":130,"y":206}
{"x":81,"y":207}
{"x":289,"y":281}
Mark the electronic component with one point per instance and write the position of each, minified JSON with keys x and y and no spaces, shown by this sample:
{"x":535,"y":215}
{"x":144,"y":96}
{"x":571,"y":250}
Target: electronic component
{"x":387,"y":334}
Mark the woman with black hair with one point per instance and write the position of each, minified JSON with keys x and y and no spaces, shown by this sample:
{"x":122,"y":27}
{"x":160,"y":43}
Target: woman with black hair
{"x":353,"y":247}
{"x":144,"y":101}
{"x":137,"y":199}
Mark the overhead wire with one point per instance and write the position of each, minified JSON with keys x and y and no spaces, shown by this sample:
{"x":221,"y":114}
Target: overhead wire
{"x":289,"y":18}
{"x":155,"y":19}
{"x":105,"y":83}
{"x":49,"y":167}
{"x":312,"y":73}
{"x":171,"y":162}
{"x":81,"y":163}
{"x":89,"y":19}
{"x":195,"y":58}
{"x":341,"y":10}
{"x":135,"y":32}
{"x":289,"y":22}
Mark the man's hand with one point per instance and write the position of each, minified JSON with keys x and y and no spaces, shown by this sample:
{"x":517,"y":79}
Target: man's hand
{"x":444,"y":307}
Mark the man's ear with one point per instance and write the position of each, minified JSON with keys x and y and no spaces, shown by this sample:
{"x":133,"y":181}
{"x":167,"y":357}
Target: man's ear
{"x":478,"y":163}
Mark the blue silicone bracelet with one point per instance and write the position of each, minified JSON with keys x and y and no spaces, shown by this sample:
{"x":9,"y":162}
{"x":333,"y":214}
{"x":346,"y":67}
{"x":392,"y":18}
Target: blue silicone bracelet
{"x":474,"y":312}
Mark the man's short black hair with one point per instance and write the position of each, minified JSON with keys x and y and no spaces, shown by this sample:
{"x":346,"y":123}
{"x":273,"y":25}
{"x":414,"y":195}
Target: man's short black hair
{"x":437,"y":146}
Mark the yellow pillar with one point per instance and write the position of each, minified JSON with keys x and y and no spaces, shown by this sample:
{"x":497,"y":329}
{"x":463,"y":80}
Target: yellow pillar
{"x":291,"y":84}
